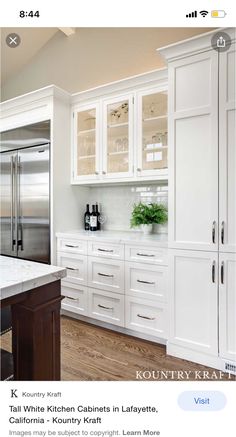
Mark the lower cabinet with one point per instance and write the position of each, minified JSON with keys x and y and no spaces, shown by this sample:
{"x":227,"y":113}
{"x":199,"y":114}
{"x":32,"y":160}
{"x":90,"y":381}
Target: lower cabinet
{"x":75,"y":298}
{"x":146,"y":316}
{"x":227,"y":306}
{"x":193,"y":300}
{"x":105,"y":306}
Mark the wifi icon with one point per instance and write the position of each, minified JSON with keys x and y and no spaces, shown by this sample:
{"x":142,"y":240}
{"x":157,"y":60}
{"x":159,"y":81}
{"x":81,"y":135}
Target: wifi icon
{"x":203,"y":13}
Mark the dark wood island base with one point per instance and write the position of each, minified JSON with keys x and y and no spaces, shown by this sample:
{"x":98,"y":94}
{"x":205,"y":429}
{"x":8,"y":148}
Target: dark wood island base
{"x":36,"y":333}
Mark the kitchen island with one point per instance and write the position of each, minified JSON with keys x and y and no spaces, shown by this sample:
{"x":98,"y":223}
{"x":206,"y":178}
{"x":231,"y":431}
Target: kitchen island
{"x":33,"y":291}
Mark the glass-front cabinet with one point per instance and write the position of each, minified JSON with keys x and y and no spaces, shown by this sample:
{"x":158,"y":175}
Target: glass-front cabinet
{"x":118,"y":137}
{"x":152,"y":133}
{"x":86,"y":139}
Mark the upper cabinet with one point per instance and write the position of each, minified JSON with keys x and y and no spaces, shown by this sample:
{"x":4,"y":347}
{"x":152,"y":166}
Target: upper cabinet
{"x":121,"y":136}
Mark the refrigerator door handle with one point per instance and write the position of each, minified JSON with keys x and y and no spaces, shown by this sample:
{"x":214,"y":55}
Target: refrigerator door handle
{"x":12,"y":203}
{"x":19,"y":220}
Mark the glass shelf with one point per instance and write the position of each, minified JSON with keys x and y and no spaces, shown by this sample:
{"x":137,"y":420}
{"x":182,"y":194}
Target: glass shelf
{"x":110,"y":126}
{"x":86,"y":156}
{"x":86,"y":131}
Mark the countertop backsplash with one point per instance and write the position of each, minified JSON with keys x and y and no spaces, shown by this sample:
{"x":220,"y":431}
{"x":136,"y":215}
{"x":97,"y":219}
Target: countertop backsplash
{"x":116,"y":203}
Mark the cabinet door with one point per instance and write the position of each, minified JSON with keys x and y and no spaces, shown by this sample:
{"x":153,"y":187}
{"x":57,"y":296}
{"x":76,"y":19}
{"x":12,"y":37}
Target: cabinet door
{"x":86,"y":143}
{"x":227,"y":151}
{"x":193,"y":152}
{"x":118,"y":137}
{"x":193,"y":300}
{"x":152,"y":140}
{"x":227,"y":306}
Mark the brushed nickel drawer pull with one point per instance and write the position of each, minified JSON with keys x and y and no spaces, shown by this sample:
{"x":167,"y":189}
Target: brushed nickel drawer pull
{"x":105,"y":250}
{"x":223,"y":232}
{"x":71,"y":268}
{"x":145,"y":254}
{"x":222,"y":272}
{"x":104,"y":274}
{"x":213,"y":271}
{"x":72,"y":298}
{"x":145,"y":282}
{"x":145,"y":317}
{"x":70,"y":245}
{"x":213,"y":232}
{"x":105,"y":308}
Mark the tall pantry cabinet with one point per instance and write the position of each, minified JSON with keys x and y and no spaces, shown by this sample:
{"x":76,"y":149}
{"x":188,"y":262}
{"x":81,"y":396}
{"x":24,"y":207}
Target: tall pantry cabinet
{"x":202,"y":202}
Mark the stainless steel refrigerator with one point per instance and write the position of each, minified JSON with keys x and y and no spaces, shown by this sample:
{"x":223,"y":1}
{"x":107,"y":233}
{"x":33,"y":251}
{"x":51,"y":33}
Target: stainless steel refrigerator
{"x":25,"y":192}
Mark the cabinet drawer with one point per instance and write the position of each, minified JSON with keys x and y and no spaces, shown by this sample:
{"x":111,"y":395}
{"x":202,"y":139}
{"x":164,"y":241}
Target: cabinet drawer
{"x":146,"y":317}
{"x":147,"y":255}
{"x":76,"y":266}
{"x":146,"y":281}
{"x":106,"y":250}
{"x":106,"y":306}
{"x":72,"y":246}
{"x":76,"y":299}
{"x":106,"y":274}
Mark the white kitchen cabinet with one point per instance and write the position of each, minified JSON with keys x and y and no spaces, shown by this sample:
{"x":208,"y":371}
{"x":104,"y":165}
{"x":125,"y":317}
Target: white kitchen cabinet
{"x":227,"y":151}
{"x":193,"y":300}
{"x":227,"y":306}
{"x":117,"y":150}
{"x":106,"y":274}
{"x":146,"y":281}
{"x":146,"y":254}
{"x":75,"y":298}
{"x":86,"y":139}
{"x":107,"y":307}
{"x":152,"y":132}
{"x":76,"y":266}
{"x":106,"y":250}
{"x":193,"y":155}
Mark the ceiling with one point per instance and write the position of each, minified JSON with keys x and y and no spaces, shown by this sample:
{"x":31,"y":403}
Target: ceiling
{"x":33,"y":40}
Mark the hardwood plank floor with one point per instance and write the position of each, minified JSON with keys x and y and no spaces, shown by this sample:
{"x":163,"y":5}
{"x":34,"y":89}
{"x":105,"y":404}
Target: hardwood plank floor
{"x":91,"y":353}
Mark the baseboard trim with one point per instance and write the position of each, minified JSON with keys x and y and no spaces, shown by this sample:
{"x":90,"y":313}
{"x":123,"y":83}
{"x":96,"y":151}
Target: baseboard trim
{"x":197,"y":357}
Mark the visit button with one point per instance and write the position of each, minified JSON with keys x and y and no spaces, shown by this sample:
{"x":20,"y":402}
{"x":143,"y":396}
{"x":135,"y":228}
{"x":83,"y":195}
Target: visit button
{"x":202,"y":400}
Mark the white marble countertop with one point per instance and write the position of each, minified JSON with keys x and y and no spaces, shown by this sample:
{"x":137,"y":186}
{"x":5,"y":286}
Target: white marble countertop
{"x":132,"y":237}
{"x":18,"y":276}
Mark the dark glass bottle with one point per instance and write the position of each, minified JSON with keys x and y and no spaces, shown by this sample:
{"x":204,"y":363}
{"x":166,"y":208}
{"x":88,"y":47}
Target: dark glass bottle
{"x":98,"y":218}
{"x":93,"y":219}
{"x":87,"y":218}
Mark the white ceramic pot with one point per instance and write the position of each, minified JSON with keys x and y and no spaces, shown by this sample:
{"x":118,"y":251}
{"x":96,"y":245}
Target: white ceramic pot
{"x":147,"y":229}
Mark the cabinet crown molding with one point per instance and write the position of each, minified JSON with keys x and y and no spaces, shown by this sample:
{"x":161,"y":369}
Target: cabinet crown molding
{"x":194,"y":45}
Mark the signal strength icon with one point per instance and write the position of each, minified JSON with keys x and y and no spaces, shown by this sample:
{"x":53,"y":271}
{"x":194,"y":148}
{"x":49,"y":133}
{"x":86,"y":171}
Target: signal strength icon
{"x":203,"y":13}
{"x":192,"y":15}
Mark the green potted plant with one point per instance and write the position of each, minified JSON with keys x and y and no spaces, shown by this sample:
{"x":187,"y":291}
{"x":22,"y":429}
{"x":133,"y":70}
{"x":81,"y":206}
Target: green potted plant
{"x":145,"y":215}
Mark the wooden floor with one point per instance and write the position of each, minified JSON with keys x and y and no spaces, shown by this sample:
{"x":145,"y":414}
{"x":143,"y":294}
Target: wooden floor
{"x":91,"y":353}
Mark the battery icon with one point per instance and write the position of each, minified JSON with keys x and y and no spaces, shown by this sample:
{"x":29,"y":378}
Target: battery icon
{"x":218,"y":14}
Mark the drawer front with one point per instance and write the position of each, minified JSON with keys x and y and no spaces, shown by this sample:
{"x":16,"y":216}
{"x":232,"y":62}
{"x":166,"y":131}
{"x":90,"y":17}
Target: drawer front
{"x":106,"y":250}
{"x":76,"y":267}
{"x":72,"y":246}
{"x":106,"y":274}
{"x":76,"y":299}
{"x":147,"y":255}
{"x":106,"y":307}
{"x":146,"y":317}
{"x":144,"y":281}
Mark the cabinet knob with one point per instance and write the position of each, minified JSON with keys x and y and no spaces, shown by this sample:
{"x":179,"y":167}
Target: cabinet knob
{"x":96,"y":172}
{"x":104,"y":172}
{"x":138,"y":169}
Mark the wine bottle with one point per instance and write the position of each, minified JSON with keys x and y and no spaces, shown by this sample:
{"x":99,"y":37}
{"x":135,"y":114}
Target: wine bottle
{"x":93,"y":219}
{"x":87,"y":218}
{"x":98,"y":218}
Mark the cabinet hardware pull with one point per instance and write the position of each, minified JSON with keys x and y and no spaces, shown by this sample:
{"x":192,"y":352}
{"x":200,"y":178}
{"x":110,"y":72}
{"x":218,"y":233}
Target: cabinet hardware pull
{"x":214,"y":232}
{"x":104,"y":274}
{"x":104,"y":172}
{"x":222,"y":272}
{"x":145,"y":254}
{"x":145,"y":282}
{"x":72,"y":298}
{"x":145,"y":317}
{"x":105,"y":308}
{"x":96,"y":172}
{"x":70,"y":245}
{"x":71,"y":268}
{"x":213,"y":269}
{"x":106,"y":250}
{"x":223,"y":232}
{"x":138,"y":169}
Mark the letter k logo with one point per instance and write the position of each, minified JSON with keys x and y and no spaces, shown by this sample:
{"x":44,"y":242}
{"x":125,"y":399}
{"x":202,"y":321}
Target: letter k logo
{"x":13,"y":393}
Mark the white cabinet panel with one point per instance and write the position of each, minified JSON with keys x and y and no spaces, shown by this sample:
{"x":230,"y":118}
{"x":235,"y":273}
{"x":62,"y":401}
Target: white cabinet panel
{"x":106,"y":274}
{"x":106,"y":250}
{"x":76,"y":298}
{"x":72,"y":246}
{"x":193,"y":155}
{"x":76,"y":266}
{"x":227,"y":306}
{"x":146,"y":281}
{"x":193,"y":300}
{"x":106,"y":307}
{"x":146,"y":254}
{"x":145,"y":316}
{"x":227,"y":152}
